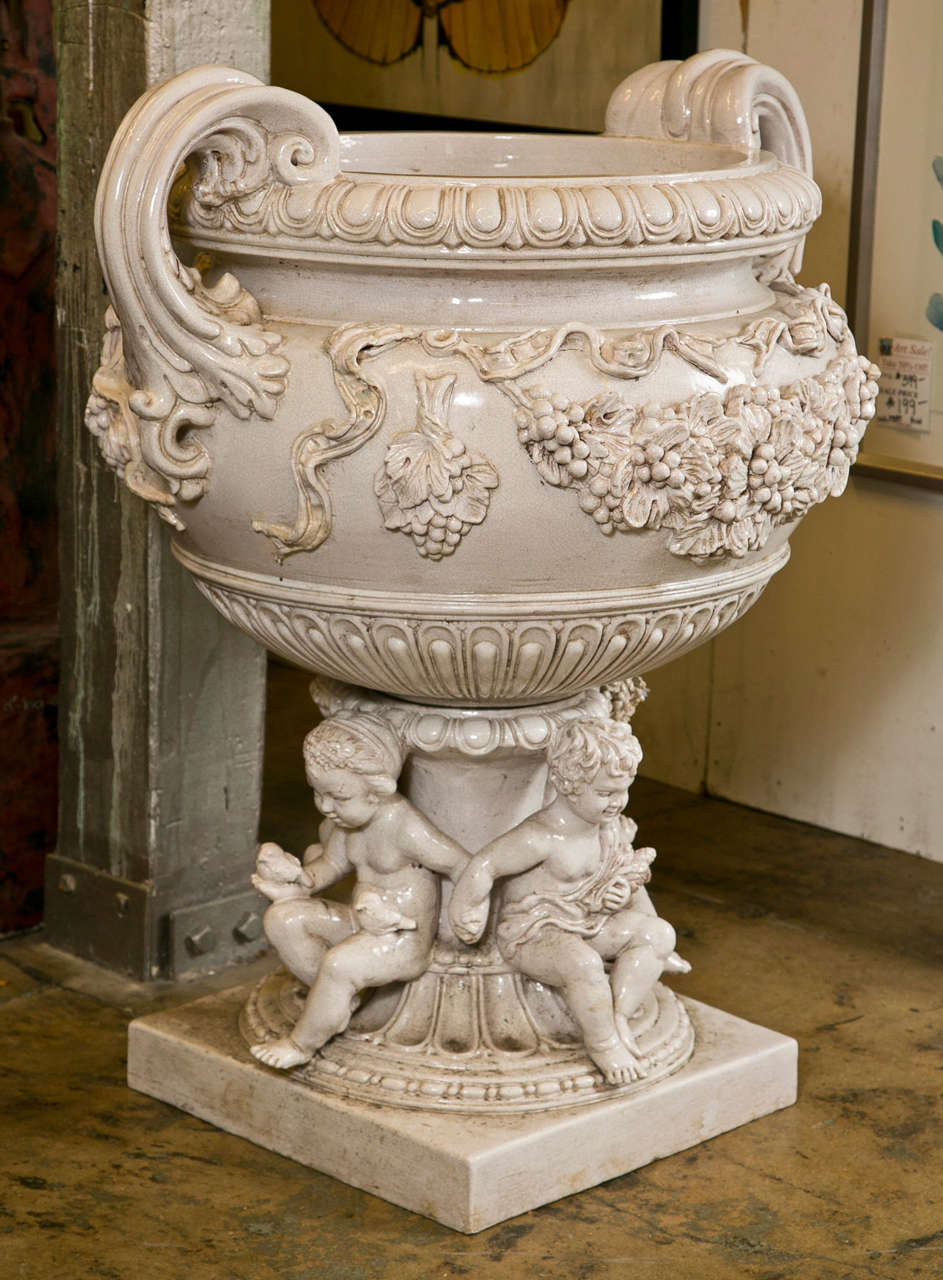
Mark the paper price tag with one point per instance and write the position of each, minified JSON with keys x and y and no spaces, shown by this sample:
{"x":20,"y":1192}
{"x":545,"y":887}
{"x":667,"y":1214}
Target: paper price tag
{"x":906,"y":380}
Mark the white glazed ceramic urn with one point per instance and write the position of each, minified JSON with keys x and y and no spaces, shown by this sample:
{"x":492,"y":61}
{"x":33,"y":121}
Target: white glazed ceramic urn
{"x":478,"y":429}
{"x":470,"y":419}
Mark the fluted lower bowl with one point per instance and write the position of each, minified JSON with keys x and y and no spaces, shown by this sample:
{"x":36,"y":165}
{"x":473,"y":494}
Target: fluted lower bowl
{"x":506,"y":650}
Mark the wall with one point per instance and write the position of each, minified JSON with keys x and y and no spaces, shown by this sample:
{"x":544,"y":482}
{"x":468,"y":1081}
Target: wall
{"x":675,"y":723}
{"x":826,"y":701}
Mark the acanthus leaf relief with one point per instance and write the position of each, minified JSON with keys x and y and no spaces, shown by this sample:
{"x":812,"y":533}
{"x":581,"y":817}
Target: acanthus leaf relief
{"x":184,"y":345}
{"x":430,"y":486}
{"x":109,"y":417}
{"x":144,"y":420}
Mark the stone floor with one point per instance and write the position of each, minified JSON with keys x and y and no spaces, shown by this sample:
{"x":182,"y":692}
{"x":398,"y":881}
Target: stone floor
{"x":836,"y":942}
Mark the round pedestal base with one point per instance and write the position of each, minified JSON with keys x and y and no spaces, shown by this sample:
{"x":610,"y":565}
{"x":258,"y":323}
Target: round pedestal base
{"x":468,"y":1039}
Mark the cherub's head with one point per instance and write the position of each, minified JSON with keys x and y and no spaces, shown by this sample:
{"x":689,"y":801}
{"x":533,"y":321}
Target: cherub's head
{"x":352,"y":762}
{"x":592,"y":763}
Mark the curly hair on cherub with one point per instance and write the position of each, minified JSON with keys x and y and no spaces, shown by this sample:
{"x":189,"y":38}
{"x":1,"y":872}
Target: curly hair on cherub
{"x":582,"y":749}
{"x":360,"y":742}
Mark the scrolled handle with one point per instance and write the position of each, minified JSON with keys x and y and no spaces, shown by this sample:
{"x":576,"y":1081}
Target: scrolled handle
{"x":716,"y":96}
{"x":176,"y":346}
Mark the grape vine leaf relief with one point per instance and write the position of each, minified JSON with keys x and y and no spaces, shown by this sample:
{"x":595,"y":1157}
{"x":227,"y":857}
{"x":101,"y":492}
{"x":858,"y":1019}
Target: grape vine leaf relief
{"x":430,"y":485}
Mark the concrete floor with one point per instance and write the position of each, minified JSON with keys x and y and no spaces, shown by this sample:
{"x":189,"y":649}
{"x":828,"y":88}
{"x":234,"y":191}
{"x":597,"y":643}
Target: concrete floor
{"x":834,"y":941}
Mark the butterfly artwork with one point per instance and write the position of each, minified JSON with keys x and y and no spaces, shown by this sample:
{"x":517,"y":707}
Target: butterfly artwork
{"x":492,"y":36}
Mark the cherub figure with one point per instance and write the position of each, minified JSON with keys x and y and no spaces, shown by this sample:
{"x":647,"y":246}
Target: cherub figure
{"x":352,"y":762}
{"x":575,"y":897}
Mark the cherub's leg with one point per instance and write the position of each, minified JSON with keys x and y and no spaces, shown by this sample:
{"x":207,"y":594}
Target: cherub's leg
{"x":643,"y":903}
{"x":640,"y":944}
{"x":565,"y":961}
{"x":363,"y":960}
{"x":303,"y":929}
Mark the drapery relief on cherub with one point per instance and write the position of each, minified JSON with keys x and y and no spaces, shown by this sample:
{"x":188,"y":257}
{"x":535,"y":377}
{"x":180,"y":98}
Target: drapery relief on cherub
{"x":573,"y":897}
{"x":386,"y":935}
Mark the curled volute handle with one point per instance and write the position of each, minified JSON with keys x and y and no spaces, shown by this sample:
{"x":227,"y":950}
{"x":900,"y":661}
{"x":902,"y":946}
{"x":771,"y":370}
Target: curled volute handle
{"x":176,"y":347}
{"x":716,"y":96}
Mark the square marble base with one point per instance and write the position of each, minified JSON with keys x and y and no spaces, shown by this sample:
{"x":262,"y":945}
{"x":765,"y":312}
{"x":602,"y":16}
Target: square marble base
{"x":468,"y":1172}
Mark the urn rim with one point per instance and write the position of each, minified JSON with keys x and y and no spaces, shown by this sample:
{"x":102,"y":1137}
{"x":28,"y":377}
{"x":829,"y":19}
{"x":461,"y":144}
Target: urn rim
{"x":505,"y":157}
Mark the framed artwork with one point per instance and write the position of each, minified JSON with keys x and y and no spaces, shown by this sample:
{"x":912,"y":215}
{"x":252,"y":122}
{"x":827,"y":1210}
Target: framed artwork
{"x":895,"y":287}
{"x":548,"y":64}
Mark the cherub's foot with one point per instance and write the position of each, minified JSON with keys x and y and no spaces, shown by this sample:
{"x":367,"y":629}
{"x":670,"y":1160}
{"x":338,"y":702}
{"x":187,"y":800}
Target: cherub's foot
{"x":616,"y":1062}
{"x":630,"y":1042}
{"x":282,"y":1053}
{"x":676,"y":964}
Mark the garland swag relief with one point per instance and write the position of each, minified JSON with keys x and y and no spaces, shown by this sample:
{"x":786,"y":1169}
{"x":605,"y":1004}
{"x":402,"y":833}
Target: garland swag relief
{"x":720,"y":470}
